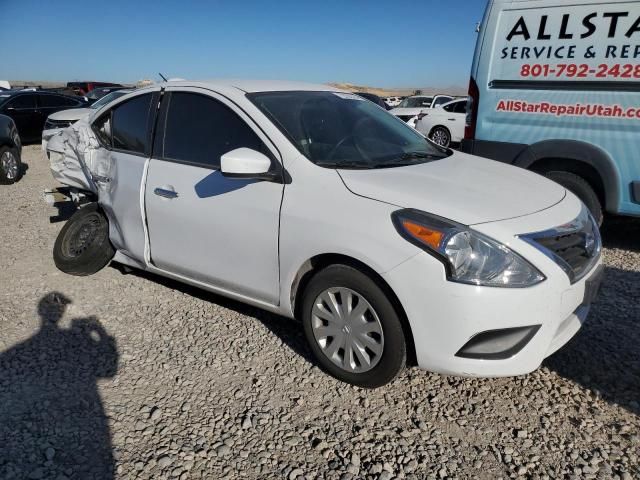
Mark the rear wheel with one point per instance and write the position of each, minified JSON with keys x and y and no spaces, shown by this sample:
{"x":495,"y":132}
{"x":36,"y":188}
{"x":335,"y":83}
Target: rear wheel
{"x":440,"y":136}
{"x":10,"y":165}
{"x":352,"y":328}
{"x":83,"y":246}
{"x":581,"y":188}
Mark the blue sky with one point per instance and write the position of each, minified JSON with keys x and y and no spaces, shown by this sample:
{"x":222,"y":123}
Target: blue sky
{"x":400,"y":43}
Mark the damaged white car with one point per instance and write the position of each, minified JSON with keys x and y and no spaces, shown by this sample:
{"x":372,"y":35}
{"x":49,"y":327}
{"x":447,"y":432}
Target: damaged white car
{"x":314,"y":203}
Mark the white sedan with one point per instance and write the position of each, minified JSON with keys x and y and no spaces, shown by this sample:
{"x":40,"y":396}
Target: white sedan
{"x":411,"y":107}
{"x":314,"y":203}
{"x":444,"y":125}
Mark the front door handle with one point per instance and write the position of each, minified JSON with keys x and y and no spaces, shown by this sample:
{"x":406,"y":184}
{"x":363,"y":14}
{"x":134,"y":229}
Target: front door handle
{"x":163,"y":192}
{"x":452,"y":119}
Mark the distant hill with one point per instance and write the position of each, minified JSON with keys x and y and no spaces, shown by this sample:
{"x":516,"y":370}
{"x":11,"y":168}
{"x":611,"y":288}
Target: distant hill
{"x":389,"y":92}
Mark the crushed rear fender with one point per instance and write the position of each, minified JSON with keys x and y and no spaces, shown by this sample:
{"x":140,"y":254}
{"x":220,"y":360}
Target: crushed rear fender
{"x":78,"y":160}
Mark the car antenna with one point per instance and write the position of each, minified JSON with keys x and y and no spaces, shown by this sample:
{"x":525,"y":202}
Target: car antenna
{"x":162,"y":76}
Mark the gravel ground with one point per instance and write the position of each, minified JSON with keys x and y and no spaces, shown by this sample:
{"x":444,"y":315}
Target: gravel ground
{"x":134,"y":376}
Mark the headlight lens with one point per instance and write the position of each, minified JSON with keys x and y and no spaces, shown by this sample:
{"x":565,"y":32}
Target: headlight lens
{"x":469,"y":256}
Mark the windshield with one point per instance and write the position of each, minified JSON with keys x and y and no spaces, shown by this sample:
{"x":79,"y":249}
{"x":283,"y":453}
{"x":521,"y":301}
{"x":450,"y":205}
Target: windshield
{"x":341,"y":130}
{"x":109,"y":97}
{"x":416,"y":102}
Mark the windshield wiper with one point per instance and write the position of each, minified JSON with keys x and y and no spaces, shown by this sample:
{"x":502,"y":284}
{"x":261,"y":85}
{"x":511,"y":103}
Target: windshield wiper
{"x":407,"y":159}
{"x":350,"y":165}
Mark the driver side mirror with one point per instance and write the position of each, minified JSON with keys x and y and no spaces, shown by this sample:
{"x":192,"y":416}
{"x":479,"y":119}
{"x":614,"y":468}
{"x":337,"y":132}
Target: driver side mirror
{"x":248,"y":164}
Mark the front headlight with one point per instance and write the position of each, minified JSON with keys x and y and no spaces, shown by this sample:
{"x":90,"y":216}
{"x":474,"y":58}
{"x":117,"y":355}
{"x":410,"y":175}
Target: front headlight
{"x":468,"y":256}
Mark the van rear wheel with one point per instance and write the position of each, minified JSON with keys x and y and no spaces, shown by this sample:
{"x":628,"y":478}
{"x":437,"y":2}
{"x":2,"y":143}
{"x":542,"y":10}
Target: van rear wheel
{"x":581,"y":188}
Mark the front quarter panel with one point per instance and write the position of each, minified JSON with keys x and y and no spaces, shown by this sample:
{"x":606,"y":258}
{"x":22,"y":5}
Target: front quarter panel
{"x":321,"y":216}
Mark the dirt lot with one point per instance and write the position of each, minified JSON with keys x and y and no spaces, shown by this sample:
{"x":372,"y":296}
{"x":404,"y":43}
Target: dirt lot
{"x":133,"y":376}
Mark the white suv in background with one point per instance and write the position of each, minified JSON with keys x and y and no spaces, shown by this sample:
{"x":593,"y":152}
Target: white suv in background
{"x":444,"y":125}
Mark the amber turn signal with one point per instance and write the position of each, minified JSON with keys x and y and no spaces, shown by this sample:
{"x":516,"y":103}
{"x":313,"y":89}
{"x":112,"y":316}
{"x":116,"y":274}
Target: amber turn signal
{"x":426,"y":235}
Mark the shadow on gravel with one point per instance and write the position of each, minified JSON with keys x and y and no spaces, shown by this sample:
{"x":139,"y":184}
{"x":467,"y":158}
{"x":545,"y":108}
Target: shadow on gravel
{"x":604,"y":356}
{"x":289,"y":331}
{"x":622,"y":233}
{"x":52,"y":422}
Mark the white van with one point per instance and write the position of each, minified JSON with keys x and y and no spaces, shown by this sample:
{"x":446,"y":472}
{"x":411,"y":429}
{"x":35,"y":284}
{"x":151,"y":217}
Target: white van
{"x":555,"y":88}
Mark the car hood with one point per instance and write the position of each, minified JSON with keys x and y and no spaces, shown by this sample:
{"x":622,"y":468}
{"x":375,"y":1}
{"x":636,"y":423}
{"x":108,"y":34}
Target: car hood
{"x":71,"y":114}
{"x":461,"y":187}
{"x":406,"y":111}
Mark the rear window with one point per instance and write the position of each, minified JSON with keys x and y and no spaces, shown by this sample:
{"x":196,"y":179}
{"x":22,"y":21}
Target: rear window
{"x":57,"y":101}
{"x":129,"y":124}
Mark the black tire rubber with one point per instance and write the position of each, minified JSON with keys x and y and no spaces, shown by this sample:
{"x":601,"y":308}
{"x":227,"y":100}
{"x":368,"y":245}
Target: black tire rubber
{"x":94,"y":253}
{"x":445,"y":130}
{"x":581,"y":188}
{"x":3,"y":175}
{"x":395,"y":350}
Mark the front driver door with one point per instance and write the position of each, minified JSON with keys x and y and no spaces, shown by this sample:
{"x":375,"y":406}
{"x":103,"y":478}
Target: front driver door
{"x":202,"y":225}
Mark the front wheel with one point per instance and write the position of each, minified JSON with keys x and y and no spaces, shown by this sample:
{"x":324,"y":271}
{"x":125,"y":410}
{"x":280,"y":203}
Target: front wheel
{"x":440,"y":136}
{"x":352,"y":328}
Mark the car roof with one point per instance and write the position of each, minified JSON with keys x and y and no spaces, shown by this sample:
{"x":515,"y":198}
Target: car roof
{"x":254,"y":86}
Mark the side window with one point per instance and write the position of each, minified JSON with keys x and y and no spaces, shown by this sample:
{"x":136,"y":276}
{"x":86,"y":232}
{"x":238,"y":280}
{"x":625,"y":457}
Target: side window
{"x":56,"y":101}
{"x":200,"y":129}
{"x":102,"y":128}
{"x":22,"y":101}
{"x":461,"y":107}
{"x":450,"y":107}
{"x":129,"y":124}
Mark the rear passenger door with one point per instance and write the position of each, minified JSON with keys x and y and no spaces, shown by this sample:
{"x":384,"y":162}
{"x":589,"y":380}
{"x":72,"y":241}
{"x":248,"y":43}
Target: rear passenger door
{"x":24,"y":112}
{"x":125,"y":130}
{"x":456,"y":118}
{"x":202,"y":225}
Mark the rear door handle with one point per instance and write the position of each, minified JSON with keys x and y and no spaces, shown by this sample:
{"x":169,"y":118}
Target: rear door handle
{"x":163,"y":192}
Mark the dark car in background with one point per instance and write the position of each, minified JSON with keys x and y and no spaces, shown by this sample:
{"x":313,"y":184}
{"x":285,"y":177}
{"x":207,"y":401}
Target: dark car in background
{"x":373,"y":98}
{"x":97,"y":93}
{"x":29,"y":109}
{"x":10,"y":151}
{"x":83,"y":88}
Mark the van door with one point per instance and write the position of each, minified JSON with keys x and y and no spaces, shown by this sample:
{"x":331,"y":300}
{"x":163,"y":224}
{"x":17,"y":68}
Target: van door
{"x":202,"y":225}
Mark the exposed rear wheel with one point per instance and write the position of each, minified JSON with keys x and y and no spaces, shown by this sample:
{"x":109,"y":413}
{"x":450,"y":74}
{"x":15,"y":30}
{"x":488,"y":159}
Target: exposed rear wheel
{"x":352,"y":328}
{"x":83,"y":247}
{"x":581,"y":188}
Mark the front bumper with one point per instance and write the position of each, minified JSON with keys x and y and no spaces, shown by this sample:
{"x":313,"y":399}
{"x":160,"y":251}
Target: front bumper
{"x":445,"y":315}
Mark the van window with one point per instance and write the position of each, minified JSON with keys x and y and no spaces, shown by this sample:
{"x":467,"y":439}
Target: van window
{"x":200,"y":129}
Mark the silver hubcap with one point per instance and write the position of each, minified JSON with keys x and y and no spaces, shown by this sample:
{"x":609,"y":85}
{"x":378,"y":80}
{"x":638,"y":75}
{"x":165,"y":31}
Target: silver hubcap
{"x":440,"y":137}
{"x":347,"y":329}
{"x":9,"y":165}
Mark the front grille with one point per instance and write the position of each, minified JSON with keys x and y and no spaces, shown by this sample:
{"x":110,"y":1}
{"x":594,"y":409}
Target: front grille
{"x":575,"y":246}
{"x":49,"y":124}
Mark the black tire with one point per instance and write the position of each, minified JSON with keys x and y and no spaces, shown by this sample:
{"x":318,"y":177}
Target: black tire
{"x":581,"y":188}
{"x":83,"y":247}
{"x":444,"y":133}
{"x":4,"y":174}
{"x":394,"y":352}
